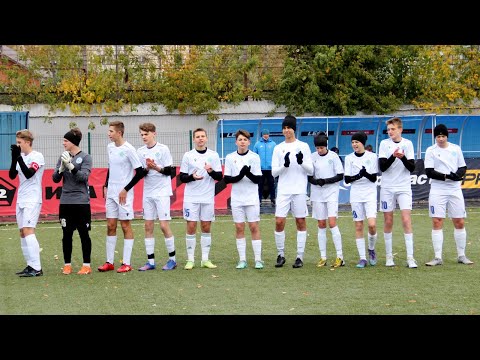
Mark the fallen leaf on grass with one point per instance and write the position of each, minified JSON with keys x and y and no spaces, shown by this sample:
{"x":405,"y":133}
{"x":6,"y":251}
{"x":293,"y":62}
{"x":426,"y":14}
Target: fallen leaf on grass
{"x":412,"y":301}
{"x":199,"y":286}
{"x":215,"y":276}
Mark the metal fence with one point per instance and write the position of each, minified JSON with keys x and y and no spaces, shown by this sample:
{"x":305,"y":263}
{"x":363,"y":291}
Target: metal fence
{"x":51,"y":146}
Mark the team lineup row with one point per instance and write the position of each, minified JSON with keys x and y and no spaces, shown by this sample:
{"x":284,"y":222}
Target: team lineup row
{"x":290,"y":161}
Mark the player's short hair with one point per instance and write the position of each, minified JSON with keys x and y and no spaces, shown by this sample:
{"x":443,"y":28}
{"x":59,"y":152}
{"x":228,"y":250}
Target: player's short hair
{"x":395,"y":121}
{"x":199,"y":130}
{"x":118,"y":125}
{"x":26,"y":135}
{"x":147,"y":127}
{"x":242,"y":132}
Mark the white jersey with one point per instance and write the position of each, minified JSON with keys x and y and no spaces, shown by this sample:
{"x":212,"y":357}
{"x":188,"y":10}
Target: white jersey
{"x":445,"y":161}
{"x":397,"y":175}
{"x":156,"y":184}
{"x":362,"y":190}
{"x":244,"y":192}
{"x":30,"y":190}
{"x":122,"y":161}
{"x":292,"y":180}
{"x":325,"y":167}
{"x":200,"y":191}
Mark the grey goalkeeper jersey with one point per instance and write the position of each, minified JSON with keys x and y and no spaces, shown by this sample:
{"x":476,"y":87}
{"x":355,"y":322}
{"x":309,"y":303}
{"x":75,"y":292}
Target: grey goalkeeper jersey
{"x":75,"y":189}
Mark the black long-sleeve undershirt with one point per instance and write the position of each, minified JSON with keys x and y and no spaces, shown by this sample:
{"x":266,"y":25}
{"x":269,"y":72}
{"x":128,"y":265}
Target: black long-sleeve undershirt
{"x":434,"y":174}
{"x":186,"y":178}
{"x":28,"y":172}
{"x":384,"y":163}
{"x":139,"y":174}
{"x":232,"y":179}
{"x":215,"y":175}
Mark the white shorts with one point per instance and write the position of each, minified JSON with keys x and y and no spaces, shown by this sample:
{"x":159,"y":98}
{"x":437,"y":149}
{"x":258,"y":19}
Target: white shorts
{"x":389,"y":199}
{"x":28,"y":214}
{"x":364,"y":210}
{"x":438,"y":204}
{"x":156,"y":208}
{"x":198,"y":211}
{"x":116,"y":211}
{"x":296,"y":203}
{"x":251,"y":213}
{"x":322,"y":210}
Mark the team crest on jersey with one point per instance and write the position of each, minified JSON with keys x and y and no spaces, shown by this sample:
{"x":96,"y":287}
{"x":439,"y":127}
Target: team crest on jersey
{"x":79,"y":160}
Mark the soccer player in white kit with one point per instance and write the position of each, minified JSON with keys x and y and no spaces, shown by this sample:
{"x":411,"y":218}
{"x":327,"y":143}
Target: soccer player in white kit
{"x":200,"y":169}
{"x":324,"y":192}
{"x":243,"y":171}
{"x":446,"y":167}
{"x":157,"y":189}
{"x":396,"y":159}
{"x":29,"y":165}
{"x":361,"y":168}
{"x":292,"y":163}
{"x":123,"y":162}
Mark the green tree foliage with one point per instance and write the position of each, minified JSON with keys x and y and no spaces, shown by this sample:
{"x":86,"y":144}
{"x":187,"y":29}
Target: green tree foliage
{"x":199,"y":79}
{"x":449,"y":77}
{"x":195,"y":79}
{"x":344,"y":80}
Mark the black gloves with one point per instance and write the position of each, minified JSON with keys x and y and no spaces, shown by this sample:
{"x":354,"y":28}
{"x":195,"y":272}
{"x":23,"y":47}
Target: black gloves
{"x":321,"y":182}
{"x":15,"y":151}
{"x":287,"y":159}
{"x":362,"y":172}
{"x":245,"y":169}
{"x":454,"y":176}
{"x":299,"y":158}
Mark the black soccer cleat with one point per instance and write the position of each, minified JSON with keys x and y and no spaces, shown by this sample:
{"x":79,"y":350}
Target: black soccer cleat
{"x":298,"y":263}
{"x":31,"y":272}
{"x":22,"y":271}
{"x":280,"y":261}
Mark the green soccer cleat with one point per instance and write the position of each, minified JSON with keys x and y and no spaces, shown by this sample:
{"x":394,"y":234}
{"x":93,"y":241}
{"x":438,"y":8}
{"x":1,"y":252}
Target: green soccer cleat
{"x":242,"y":264}
{"x":189,"y":265}
{"x":259,"y":264}
{"x":208,"y":264}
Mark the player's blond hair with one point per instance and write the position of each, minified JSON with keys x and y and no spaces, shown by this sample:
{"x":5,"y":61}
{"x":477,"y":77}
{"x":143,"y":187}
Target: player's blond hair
{"x":26,"y":135}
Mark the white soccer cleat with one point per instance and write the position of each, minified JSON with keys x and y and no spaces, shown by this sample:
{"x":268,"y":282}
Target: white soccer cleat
{"x":389,"y":261}
{"x":411,"y":263}
{"x":464,"y":260}
{"x":435,"y":262}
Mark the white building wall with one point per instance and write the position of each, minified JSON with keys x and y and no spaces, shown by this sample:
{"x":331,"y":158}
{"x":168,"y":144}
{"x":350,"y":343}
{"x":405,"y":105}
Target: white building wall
{"x":172,"y":128}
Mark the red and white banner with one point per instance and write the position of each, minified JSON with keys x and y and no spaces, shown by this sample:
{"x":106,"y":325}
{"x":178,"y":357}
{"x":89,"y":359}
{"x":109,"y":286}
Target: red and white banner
{"x":52,"y":192}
